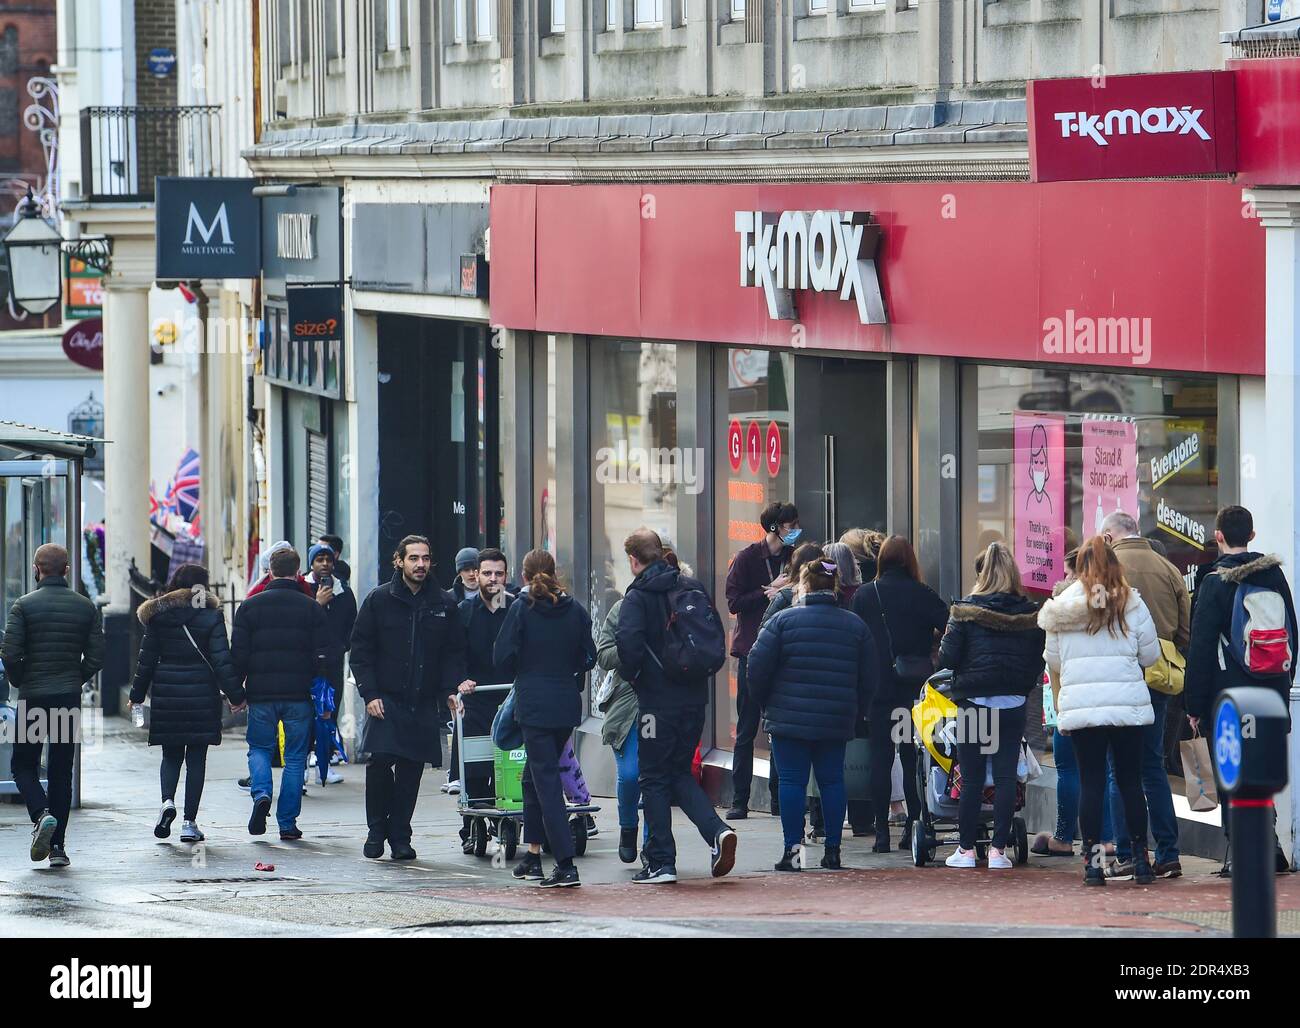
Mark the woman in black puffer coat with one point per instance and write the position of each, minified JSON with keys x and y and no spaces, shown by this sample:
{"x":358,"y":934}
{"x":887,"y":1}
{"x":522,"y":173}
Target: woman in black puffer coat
{"x":184,"y":666}
{"x":995,"y":649}
{"x":813,"y":670}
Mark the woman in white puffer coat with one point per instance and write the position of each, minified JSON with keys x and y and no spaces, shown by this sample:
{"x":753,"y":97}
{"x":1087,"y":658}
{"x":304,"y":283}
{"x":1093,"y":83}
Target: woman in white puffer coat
{"x":1099,"y":638}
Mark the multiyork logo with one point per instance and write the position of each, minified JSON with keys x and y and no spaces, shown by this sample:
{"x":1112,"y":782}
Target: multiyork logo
{"x":103,"y":981}
{"x":294,"y":239}
{"x":206,"y":231}
{"x":1076,"y":334}
{"x":823,"y":251}
{"x":1128,"y":122}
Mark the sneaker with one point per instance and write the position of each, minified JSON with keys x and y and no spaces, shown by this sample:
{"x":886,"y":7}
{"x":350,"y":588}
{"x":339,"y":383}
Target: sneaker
{"x":245,"y":783}
{"x":163,"y":827}
{"x":42,"y":833}
{"x":961,"y":858}
{"x":453,"y":788}
{"x":374,"y":848}
{"x":257,"y":823}
{"x":724,"y":852}
{"x":311,"y":758}
{"x":737,"y":813}
{"x":332,"y":777}
{"x":290,"y":834}
{"x":791,"y":860}
{"x":655,"y":876}
{"x":627,"y":845}
{"x":1142,"y":874}
{"x":561,"y":878}
{"x":998,"y":860}
{"x":592,"y":830}
{"x":190,"y":832}
{"x":1093,"y":875}
{"x":1120,"y":871}
{"x":529,"y":869}
{"x":1169,"y":869}
{"x":58,"y":858}
{"x":831,"y":859}
{"x":402,"y":851}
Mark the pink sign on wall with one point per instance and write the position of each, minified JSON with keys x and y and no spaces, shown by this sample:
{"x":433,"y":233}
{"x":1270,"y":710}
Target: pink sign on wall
{"x":1039,"y":498}
{"x":1109,"y":471}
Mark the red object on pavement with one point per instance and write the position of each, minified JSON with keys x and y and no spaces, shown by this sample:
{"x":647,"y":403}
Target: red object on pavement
{"x":259,"y":866}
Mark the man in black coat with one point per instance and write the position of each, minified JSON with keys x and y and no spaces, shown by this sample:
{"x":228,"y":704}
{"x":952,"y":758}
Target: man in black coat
{"x":279,"y":643}
{"x":671,"y":715}
{"x":340,"y":606}
{"x":483,"y":614}
{"x":408,"y":656}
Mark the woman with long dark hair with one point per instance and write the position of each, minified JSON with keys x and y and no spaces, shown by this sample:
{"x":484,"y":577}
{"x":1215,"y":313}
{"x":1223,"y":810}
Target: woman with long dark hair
{"x":1100,"y":636}
{"x":184,"y":667}
{"x":906,"y":618}
{"x":547,"y":647}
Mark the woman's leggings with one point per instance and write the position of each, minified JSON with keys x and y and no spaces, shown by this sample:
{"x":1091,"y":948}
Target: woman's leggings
{"x":881,"y":731}
{"x":1090,"y":746}
{"x":195,"y":759}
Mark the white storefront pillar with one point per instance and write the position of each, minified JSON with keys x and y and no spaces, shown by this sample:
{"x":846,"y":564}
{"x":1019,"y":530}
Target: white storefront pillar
{"x":1269,"y":479}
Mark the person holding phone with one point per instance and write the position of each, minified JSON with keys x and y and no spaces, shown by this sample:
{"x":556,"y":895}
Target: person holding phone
{"x":340,"y":603}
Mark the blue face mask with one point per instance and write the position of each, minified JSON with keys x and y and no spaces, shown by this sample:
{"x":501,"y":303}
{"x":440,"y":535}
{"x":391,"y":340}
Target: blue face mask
{"x":791,"y":537}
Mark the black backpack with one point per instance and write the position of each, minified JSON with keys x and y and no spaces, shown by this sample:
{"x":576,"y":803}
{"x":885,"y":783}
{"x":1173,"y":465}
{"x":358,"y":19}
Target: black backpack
{"x":695,"y":643}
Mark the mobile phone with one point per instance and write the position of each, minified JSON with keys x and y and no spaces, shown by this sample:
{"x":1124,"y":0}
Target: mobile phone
{"x":325,"y":581}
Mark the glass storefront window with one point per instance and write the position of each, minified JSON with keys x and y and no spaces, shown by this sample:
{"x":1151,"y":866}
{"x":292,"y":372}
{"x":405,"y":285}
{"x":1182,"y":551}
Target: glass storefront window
{"x":550,"y":492}
{"x":756,"y":433}
{"x":1162,"y":430}
{"x":635,"y":458}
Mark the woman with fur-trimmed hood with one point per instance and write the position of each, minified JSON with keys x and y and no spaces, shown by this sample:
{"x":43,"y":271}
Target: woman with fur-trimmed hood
{"x":1100,"y":636}
{"x":184,"y":667}
{"x":995,"y":649}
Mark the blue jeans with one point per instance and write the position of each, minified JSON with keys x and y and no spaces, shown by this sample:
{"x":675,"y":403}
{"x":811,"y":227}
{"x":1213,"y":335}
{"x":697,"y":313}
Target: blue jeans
{"x":794,"y":759}
{"x":629,"y":784}
{"x":1155,"y":784}
{"x":299,"y":719}
{"x":1067,"y":793}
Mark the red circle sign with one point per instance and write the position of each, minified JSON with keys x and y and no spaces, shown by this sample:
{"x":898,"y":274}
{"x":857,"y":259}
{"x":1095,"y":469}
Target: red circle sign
{"x":754,"y":446}
{"x":84,"y":343}
{"x":735,"y":445}
{"x":772,"y":449}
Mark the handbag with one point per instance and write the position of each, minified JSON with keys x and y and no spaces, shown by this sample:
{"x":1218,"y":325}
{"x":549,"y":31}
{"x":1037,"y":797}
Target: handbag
{"x":604,"y":691}
{"x":910,"y":669}
{"x":1166,"y":674}
{"x":211,"y":670}
{"x":506,"y":733}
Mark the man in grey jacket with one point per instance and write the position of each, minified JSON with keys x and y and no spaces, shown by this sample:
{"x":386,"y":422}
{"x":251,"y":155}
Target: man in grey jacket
{"x":53,"y":644}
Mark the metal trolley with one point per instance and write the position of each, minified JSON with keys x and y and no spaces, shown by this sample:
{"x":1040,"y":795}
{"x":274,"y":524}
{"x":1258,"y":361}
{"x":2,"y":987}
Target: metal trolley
{"x":501,"y":815}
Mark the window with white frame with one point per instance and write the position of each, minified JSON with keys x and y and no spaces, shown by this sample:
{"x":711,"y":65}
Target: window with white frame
{"x":613,"y":14}
{"x":483,"y":19}
{"x":866,"y":5}
{"x":458,"y":20}
{"x":557,"y":15}
{"x":333,"y":15}
{"x":737,"y":10}
{"x":817,"y":6}
{"x":394,"y":17}
{"x":649,"y":13}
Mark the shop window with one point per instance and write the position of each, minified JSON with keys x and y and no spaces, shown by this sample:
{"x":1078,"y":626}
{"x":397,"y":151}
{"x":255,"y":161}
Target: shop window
{"x":1069,"y":447}
{"x":756,"y":433}
{"x":637,"y":467}
{"x":550,"y":498}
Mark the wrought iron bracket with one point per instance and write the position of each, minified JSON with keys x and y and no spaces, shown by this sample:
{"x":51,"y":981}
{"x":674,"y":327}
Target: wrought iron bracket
{"x":95,"y":251}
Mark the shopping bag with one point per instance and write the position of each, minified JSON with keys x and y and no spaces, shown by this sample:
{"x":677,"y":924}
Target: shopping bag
{"x":1198,"y":773}
{"x":1027,"y":766}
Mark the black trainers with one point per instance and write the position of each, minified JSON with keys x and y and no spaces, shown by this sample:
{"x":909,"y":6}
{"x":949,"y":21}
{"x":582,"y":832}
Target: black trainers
{"x":529,"y":869}
{"x":738,"y":812}
{"x":724,"y":852}
{"x":402,"y":851}
{"x":627,"y":845}
{"x":58,"y":858}
{"x":791,"y":860}
{"x":257,"y":823}
{"x":561,"y":878}
{"x":1093,"y":875}
{"x":42,"y":833}
{"x":374,"y":848}
{"x":831,"y":859}
{"x":655,"y":876}
{"x":1168,"y":869}
{"x":244,"y":783}
{"x":290,"y":834}
{"x":1142,"y":868}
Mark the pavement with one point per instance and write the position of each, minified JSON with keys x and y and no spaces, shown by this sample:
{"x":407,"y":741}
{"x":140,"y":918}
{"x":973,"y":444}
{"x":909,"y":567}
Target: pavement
{"x":125,"y":883}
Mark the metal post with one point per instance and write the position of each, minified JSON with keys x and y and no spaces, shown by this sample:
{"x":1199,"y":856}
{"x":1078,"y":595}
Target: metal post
{"x":1254,"y":906}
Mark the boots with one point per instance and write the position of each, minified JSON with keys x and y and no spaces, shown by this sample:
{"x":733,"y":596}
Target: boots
{"x":905,"y":842}
{"x":882,"y":836}
{"x":1142,"y":873}
{"x":627,"y":845}
{"x":792,"y":860}
{"x":831,"y":858}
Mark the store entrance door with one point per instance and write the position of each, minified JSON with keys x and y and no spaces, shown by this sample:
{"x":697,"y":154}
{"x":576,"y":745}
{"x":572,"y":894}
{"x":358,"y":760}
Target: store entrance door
{"x":840,"y":431}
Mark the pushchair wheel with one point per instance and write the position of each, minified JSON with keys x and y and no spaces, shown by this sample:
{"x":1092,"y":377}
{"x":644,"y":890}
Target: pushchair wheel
{"x":480,"y":836}
{"x":508,"y":834}
{"x":578,"y":826}
{"x":922,"y":847}
{"x":1020,"y":840}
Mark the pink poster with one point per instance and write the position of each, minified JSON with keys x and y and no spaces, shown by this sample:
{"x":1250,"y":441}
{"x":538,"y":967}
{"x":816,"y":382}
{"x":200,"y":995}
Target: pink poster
{"x":1039,"y":498}
{"x":1109,"y":471}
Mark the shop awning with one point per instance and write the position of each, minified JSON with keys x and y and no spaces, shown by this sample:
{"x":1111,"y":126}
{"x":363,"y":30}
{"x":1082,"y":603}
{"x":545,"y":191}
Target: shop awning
{"x":18,"y":440}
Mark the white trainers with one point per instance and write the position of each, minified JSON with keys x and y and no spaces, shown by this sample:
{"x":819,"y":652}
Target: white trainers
{"x":190,"y":832}
{"x":311,"y":759}
{"x":961,"y":858}
{"x":998,"y":860}
{"x":332,"y":777}
{"x":453,"y":788}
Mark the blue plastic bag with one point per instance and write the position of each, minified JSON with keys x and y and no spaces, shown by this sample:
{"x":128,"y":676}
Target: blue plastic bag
{"x":506,"y":733}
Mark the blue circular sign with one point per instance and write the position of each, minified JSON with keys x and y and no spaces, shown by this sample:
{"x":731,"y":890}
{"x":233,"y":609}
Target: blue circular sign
{"x":1227,"y":744}
{"x":161,"y":62}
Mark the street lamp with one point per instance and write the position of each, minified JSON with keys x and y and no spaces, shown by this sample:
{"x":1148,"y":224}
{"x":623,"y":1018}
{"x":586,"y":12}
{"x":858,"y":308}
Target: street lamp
{"x":34,"y":248}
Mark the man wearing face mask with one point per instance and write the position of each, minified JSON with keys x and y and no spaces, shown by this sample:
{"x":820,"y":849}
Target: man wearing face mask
{"x":757,"y":574}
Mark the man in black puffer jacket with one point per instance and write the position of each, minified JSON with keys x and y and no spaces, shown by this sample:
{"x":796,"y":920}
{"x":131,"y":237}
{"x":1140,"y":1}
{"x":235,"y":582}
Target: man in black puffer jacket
{"x":672,"y":715}
{"x":280,"y":642}
{"x":53,"y":644}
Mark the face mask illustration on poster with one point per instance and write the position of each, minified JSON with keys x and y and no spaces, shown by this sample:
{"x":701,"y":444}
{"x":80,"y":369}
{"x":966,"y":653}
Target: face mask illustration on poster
{"x":1039,"y":498}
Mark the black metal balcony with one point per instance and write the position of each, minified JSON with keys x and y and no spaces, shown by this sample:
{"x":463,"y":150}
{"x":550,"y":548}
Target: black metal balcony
{"x":123,"y":149}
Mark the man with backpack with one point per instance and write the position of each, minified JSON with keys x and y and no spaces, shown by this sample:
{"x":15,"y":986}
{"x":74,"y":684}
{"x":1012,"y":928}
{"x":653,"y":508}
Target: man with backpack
{"x":670,"y":643}
{"x":1243,"y":624}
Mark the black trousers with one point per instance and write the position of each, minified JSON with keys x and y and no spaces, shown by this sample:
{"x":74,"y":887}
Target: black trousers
{"x":195,"y":759}
{"x":1125,"y":745}
{"x":975,"y":750}
{"x":56,"y":719}
{"x":546,"y":817}
{"x":392,"y":788}
{"x":881,"y":733}
{"x":665,"y":749}
{"x":748,"y":716}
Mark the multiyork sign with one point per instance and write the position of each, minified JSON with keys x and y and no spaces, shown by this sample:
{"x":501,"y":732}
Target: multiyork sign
{"x":821,"y":251}
{"x":1132,"y":126}
{"x":207,"y":228}
{"x":295,"y":237}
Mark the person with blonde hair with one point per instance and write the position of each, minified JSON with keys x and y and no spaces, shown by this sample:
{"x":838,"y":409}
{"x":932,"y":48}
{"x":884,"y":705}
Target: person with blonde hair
{"x":1100,"y":636}
{"x":848,"y":578}
{"x":995,"y":649}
